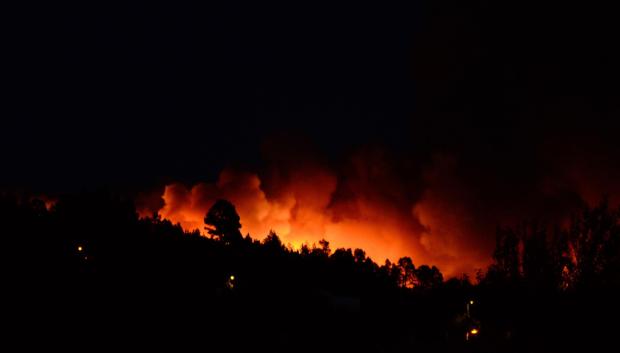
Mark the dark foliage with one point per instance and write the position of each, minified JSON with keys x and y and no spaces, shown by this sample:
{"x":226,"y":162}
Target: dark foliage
{"x":89,"y":271}
{"x":551,"y":289}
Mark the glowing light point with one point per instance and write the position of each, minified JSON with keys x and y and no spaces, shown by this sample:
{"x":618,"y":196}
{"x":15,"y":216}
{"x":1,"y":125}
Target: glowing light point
{"x":474,"y":331}
{"x":232,"y":278}
{"x":471,"y":302}
{"x":80,"y":248}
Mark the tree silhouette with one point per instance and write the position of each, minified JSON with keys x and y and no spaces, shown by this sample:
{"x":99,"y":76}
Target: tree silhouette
{"x":537,"y":258}
{"x":323,"y":250}
{"x":223,"y":223}
{"x":506,"y":255}
{"x":272,"y":242}
{"x":595,"y":236}
{"x":91,"y":241}
{"x":428,"y":277}
{"x":359,"y":255}
{"x":407,"y":272}
{"x":564,"y":278}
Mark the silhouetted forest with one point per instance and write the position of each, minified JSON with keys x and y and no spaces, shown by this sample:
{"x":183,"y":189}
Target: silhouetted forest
{"x":87,"y":272}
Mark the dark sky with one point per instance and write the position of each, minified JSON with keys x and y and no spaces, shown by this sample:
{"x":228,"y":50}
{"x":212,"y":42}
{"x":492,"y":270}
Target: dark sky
{"x":142,"y":93}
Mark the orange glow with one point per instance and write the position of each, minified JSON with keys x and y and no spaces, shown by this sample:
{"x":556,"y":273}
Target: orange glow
{"x":48,"y":201}
{"x":474,"y":331}
{"x":303,"y":209}
{"x":49,"y":204}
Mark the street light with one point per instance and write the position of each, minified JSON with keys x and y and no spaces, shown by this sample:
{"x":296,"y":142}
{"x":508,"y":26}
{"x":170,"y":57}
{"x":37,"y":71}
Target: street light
{"x":471,"y":302}
{"x":231,"y":282}
{"x":473,"y":325}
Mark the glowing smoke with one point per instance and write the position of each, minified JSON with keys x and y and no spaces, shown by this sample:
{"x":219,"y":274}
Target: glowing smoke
{"x":365,"y":210}
{"x":440,"y":212}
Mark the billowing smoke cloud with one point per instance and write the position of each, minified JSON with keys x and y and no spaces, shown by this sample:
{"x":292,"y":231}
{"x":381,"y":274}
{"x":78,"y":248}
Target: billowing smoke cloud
{"x":441,"y":211}
{"x":454,"y":231}
{"x":364,"y":205}
{"x":305,"y":209}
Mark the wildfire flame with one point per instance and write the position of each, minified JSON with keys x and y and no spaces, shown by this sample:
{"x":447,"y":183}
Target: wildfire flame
{"x":440,"y":213}
{"x":305,"y":208}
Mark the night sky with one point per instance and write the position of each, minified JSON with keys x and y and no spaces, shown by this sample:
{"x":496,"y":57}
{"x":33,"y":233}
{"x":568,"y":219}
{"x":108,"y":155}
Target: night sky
{"x":458,"y":114}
